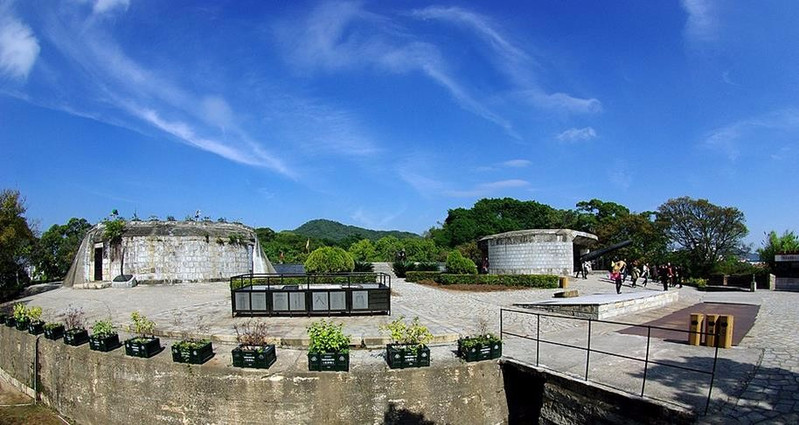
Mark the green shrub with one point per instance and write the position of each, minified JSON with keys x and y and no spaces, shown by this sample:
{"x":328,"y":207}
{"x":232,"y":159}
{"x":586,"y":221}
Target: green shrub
{"x":20,"y":312}
{"x":327,"y":337}
{"x":402,"y":267}
{"x":329,"y":259}
{"x":34,"y":313}
{"x":426,"y":267}
{"x":485,"y":339}
{"x":526,"y":280}
{"x":421,"y":275}
{"x":103,"y":329}
{"x":364,"y":267}
{"x":141,"y":325}
{"x":412,"y":334}
{"x":458,"y":264}
{"x":696,"y":281}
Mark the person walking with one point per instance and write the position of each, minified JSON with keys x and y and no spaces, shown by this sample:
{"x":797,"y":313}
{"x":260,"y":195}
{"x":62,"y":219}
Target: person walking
{"x":645,"y":273}
{"x":635,"y":274}
{"x":616,"y":275}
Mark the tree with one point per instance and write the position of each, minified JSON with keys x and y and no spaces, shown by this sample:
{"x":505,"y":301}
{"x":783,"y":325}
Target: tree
{"x":329,"y":259}
{"x":57,"y":247}
{"x":774,"y":244}
{"x":706,"y":232}
{"x":363,"y":250}
{"x":16,"y":242}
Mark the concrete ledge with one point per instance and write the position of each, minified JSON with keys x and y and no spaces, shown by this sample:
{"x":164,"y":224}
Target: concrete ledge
{"x":604,"y":306}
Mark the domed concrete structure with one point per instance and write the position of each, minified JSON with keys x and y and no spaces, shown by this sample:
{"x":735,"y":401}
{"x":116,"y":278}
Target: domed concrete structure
{"x":536,"y":251}
{"x":167,"y":252}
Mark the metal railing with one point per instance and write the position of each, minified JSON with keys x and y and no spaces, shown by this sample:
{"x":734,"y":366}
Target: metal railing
{"x":646,"y":360}
{"x":310,"y":294}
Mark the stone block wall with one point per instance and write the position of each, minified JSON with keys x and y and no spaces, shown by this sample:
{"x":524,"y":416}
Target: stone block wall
{"x":532,"y":257}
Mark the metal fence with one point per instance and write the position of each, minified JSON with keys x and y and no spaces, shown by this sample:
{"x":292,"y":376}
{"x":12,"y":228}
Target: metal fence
{"x":646,"y":360}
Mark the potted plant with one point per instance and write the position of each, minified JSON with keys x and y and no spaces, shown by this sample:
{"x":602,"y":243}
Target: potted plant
{"x":21,"y":317}
{"x":35,"y":323}
{"x":329,"y":347}
{"x":53,"y":330}
{"x":483,"y":346}
{"x":104,"y":336}
{"x":409,"y":347}
{"x":191,"y":349}
{"x":253,"y":350}
{"x":144,"y":344}
{"x":75,"y":334}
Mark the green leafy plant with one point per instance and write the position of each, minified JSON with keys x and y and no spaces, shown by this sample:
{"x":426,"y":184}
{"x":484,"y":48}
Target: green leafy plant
{"x":412,"y":334}
{"x":458,"y":264}
{"x":34,"y":313}
{"x":190,"y":344}
{"x":141,"y":325}
{"x":364,"y":267}
{"x":20,"y":312}
{"x":329,"y":259}
{"x":327,"y":337}
{"x":113,"y":230}
{"x":251,"y":333}
{"x":103,"y":329}
{"x":236,"y":238}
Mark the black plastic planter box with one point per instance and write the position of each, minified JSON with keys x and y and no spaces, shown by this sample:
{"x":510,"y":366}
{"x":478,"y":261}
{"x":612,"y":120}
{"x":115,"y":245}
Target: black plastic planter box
{"x":142,"y":347}
{"x":54,"y":333}
{"x":479,"y":351}
{"x":335,"y":362}
{"x":36,"y":328}
{"x":192,"y":355}
{"x":3,"y":318}
{"x":104,"y":343}
{"x":10,"y":322}
{"x":258,"y":357}
{"x":76,"y":337}
{"x":22,"y":325}
{"x":401,"y":356}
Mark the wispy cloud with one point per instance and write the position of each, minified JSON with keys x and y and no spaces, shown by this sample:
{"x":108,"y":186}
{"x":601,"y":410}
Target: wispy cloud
{"x":518,"y":65}
{"x":375,"y":220}
{"x":516,"y":163}
{"x":619,"y":175}
{"x":338,"y":36}
{"x":19,"y":47}
{"x":486,"y":189}
{"x":577,"y":135}
{"x":104,"y":6}
{"x":702,"y":23}
{"x":730,"y":139}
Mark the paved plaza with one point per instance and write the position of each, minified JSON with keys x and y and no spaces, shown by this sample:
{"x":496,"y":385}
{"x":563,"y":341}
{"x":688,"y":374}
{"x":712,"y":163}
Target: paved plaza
{"x":757,"y":381}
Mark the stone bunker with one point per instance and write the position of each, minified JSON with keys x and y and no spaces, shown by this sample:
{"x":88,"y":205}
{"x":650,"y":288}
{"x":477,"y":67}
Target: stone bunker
{"x":167,"y":252}
{"x":536,"y":251}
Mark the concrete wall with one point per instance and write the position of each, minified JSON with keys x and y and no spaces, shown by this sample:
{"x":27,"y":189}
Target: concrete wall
{"x":110,"y":388}
{"x":542,"y":397}
{"x":532,"y":254}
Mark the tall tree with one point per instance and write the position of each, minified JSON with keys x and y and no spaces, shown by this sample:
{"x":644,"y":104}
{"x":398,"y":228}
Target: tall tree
{"x":16,"y":241}
{"x":57,"y":247}
{"x":775,"y":244}
{"x":704,"y":231}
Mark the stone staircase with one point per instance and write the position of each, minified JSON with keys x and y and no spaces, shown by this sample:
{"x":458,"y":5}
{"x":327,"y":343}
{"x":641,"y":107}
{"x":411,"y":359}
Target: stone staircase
{"x":384,"y":268}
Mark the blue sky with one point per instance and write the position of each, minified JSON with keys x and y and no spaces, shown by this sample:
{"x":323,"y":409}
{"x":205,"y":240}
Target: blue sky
{"x":387,"y":114}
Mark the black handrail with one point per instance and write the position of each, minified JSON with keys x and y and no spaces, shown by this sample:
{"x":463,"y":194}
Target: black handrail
{"x":503,"y":314}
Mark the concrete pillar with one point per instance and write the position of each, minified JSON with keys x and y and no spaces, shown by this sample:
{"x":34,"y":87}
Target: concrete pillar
{"x":695,"y":327}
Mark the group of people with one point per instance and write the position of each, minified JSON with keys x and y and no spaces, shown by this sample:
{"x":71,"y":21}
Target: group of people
{"x":667,"y":274}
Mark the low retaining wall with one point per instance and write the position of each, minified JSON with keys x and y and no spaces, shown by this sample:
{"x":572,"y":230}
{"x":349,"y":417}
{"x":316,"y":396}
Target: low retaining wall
{"x":542,"y":397}
{"x":111,"y":388}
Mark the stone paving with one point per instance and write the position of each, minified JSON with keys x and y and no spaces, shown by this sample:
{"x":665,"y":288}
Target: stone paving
{"x":757,"y":382}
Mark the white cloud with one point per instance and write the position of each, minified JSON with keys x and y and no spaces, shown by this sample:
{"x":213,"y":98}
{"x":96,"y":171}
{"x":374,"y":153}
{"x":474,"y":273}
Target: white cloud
{"x":577,"y":135}
{"x":485,"y":189}
{"x":702,"y":24}
{"x":517,"y":64}
{"x":217,"y":111}
{"x":19,"y":47}
{"x":619,"y":175}
{"x":728,"y":139}
{"x":103,"y":6}
{"x":516,"y":163}
{"x":343,"y":36}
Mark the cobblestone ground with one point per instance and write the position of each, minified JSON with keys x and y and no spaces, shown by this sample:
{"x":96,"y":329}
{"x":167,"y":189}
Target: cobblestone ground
{"x":758,"y":382}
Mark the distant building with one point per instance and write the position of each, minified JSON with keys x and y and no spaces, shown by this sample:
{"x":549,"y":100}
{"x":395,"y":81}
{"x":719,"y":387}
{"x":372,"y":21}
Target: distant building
{"x":536,"y":251}
{"x":168,"y":252}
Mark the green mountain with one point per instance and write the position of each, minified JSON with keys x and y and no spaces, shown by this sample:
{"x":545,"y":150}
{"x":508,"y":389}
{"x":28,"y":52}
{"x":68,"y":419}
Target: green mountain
{"x":335,"y":231}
